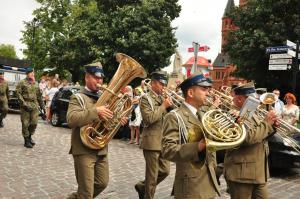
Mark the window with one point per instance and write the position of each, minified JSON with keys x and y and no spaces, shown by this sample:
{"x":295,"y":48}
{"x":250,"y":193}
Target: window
{"x":217,"y":75}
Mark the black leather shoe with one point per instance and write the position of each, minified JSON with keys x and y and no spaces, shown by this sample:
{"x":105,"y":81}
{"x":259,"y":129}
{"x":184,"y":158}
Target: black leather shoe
{"x":27,"y":143}
{"x":31,"y":141}
{"x":140,"y":191}
{"x":1,"y":124}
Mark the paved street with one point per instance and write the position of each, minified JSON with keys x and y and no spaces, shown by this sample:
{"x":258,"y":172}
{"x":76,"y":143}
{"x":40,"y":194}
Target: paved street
{"x":46,"y":171}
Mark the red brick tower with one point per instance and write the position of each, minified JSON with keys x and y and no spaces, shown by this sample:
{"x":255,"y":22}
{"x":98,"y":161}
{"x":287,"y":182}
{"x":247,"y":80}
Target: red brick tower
{"x":243,"y":2}
{"x":227,"y":25}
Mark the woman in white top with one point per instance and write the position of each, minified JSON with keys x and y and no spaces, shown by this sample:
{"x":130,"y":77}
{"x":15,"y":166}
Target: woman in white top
{"x":136,"y":119}
{"x":290,"y":112}
{"x":50,"y":94}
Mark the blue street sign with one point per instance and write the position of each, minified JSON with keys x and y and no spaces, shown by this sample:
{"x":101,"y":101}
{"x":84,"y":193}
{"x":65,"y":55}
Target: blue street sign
{"x":277,"y":49}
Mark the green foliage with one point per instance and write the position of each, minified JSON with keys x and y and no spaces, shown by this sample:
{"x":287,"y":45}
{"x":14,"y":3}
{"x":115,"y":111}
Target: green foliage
{"x":263,"y":23}
{"x":7,"y":50}
{"x":74,"y":33}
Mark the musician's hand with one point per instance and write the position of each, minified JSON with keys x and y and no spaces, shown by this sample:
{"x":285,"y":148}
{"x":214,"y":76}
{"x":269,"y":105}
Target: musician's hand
{"x":124,"y":121}
{"x":271,"y":117}
{"x":104,"y":113}
{"x":201,"y":145}
{"x":135,"y":101}
{"x":167,"y":102}
{"x":217,"y":102}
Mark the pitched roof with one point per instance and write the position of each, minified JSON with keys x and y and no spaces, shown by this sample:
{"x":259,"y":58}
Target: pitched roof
{"x":14,"y":62}
{"x":201,"y":61}
{"x":229,"y":7}
{"x":222,"y":60}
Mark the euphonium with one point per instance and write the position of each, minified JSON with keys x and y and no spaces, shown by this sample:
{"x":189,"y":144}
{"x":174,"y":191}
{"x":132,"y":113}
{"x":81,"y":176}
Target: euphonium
{"x":97,"y":135}
{"x":221,"y":129}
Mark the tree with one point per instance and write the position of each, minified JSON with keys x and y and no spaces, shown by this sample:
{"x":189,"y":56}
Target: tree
{"x":74,"y":33}
{"x":7,"y":50}
{"x":263,"y":23}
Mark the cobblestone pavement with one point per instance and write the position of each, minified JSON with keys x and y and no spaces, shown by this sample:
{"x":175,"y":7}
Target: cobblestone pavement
{"x":46,"y":171}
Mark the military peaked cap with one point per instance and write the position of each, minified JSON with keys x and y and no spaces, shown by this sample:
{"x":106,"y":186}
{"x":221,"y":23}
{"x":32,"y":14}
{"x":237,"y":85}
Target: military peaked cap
{"x":29,"y":70}
{"x":95,"y":69}
{"x":161,"y":76}
{"x":197,"y":80}
{"x":245,"y":89}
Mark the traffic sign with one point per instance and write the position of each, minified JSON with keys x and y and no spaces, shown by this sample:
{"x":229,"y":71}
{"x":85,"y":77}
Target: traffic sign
{"x":277,"y":49}
{"x":280,"y":56}
{"x":201,"y":48}
{"x":293,"y":53}
{"x":280,"y":61}
{"x":291,"y":44}
{"x":278,"y":67}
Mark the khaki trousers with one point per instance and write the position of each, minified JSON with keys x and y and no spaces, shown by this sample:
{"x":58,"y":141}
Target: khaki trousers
{"x":157,"y":169}
{"x":92,"y":175}
{"x":29,"y":120}
{"x":247,"y":191}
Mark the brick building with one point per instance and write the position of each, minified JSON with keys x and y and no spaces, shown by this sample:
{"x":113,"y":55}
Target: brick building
{"x":222,"y":65}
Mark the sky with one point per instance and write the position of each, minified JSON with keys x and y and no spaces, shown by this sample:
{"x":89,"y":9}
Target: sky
{"x":199,"y":21}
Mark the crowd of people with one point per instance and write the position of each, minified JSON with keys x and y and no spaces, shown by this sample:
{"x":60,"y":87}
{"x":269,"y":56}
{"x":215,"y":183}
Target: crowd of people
{"x":163,"y":132}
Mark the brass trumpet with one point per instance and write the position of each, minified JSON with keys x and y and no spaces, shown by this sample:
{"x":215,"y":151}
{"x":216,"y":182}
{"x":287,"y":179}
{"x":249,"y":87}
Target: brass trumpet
{"x":283,"y":128}
{"x":177,"y":100}
{"x":227,"y":103}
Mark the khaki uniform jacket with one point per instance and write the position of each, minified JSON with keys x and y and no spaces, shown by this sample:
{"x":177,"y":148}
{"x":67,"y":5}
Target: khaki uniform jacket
{"x":195,"y":172}
{"x":29,"y":95}
{"x":249,"y":162}
{"x":77,"y":117}
{"x":4,"y":94}
{"x":152,"y":115}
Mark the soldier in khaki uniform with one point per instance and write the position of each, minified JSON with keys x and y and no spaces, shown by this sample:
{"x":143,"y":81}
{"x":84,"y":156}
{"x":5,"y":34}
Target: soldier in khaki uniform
{"x":246,"y":167}
{"x":30,"y":98}
{"x":184,"y":143}
{"x":91,"y":166}
{"x":4,"y":96}
{"x":153,"y":108}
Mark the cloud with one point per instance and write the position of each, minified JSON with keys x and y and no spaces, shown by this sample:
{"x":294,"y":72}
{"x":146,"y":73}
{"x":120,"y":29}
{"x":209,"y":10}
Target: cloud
{"x":199,"y":21}
{"x":12,"y":15}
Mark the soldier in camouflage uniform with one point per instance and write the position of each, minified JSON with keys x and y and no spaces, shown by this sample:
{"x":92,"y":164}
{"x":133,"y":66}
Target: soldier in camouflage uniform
{"x":30,"y":98}
{"x":4,"y":95}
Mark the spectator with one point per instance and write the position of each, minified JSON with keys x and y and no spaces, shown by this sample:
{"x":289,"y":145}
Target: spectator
{"x":51,"y":92}
{"x":77,"y":84}
{"x":125,"y":130}
{"x":278,"y":106}
{"x":290,"y":112}
{"x":64,"y":83}
{"x":136,"y":119}
{"x":43,"y":84}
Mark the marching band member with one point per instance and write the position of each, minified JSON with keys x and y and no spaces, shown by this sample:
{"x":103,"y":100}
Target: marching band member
{"x":184,"y":143}
{"x":91,"y":165}
{"x":246,"y":167}
{"x":153,"y":108}
{"x":4,"y":96}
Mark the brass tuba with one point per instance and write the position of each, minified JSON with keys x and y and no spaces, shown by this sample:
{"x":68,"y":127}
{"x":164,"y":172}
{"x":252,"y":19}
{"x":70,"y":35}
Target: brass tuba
{"x":97,"y":135}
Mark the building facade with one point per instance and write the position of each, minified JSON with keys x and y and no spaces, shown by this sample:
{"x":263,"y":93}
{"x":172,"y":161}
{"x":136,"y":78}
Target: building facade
{"x":222,"y":65}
